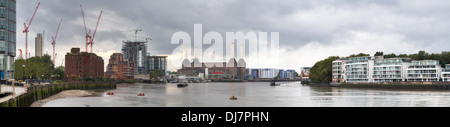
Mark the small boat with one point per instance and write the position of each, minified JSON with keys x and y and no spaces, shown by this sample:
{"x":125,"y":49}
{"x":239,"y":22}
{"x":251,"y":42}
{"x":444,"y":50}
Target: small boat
{"x":274,"y":84}
{"x":141,"y":94}
{"x":110,"y":93}
{"x":182,"y":85}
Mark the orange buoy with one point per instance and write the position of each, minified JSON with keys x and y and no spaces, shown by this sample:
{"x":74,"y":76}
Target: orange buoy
{"x":141,"y":94}
{"x":110,"y":93}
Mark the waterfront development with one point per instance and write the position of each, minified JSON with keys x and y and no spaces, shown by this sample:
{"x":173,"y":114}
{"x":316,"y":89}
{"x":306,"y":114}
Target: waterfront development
{"x":254,"y":94}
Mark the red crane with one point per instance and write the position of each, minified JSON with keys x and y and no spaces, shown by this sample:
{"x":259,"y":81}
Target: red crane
{"x":54,"y":41}
{"x":89,"y":38}
{"x":26,"y":30}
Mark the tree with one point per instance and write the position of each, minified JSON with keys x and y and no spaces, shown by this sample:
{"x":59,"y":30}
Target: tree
{"x":358,"y":55}
{"x":35,"y":68}
{"x":156,"y":74}
{"x":322,"y":70}
{"x":58,"y":73}
{"x":392,"y":55}
{"x":379,"y":54}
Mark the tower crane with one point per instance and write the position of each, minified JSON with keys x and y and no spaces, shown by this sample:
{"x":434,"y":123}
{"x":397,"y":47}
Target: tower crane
{"x":54,"y":41}
{"x":26,"y":30}
{"x":89,"y":38}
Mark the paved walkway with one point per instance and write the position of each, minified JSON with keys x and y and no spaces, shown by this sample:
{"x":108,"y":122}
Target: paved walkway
{"x":9,"y":89}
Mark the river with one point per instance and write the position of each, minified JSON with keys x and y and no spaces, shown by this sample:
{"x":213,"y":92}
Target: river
{"x":254,"y":94}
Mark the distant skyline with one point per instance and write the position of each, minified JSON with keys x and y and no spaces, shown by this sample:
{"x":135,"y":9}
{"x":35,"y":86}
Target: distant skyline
{"x":309,"y":30}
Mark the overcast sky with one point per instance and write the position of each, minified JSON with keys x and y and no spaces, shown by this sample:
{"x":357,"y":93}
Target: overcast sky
{"x":310,"y":30}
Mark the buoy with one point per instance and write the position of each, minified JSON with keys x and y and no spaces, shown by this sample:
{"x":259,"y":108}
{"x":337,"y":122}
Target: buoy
{"x":110,"y":93}
{"x":233,"y":98}
{"x":141,"y":94}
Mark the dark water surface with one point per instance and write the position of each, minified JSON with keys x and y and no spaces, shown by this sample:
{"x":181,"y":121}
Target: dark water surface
{"x":254,"y":94}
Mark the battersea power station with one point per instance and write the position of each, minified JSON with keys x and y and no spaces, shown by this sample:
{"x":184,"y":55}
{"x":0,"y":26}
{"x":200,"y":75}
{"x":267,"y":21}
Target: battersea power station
{"x":231,"y":70}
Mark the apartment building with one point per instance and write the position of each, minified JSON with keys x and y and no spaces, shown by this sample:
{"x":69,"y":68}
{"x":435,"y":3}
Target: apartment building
{"x":360,"y":69}
{"x":424,"y":71}
{"x":338,"y":70}
{"x":446,"y":73}
{"x":391,"y":69}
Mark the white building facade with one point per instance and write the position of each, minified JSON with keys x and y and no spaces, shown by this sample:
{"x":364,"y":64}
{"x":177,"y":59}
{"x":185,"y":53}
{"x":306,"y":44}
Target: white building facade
{"x":390,"y":70}
{"x":446,"y":73}
{"x":424,"y":71}
{"x":360,"y":69}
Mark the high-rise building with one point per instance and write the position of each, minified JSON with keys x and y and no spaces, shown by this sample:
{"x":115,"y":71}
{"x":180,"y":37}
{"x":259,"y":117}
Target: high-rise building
{"x":83,"y":65}
{"x":7,"y":38}
{"x":135,"y":52}
{"x":38,"y":45}
{"x":157,"y":63}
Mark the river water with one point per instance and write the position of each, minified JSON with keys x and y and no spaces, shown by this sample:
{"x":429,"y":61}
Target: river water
{"x":254,"y":94}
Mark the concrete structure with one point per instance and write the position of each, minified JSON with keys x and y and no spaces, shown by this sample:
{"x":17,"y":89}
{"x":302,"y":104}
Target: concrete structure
{"x":338,"y":70}
{"x":424,"y":71}
{"x":119,"y":69}
{"x":82,"y":65}
{"x":157,"y":63}
{"x":235,"y":68}
{"x":446,"y":73}
{"x":38,"y":45}
{"x":360,"y":69}
{"x":7,"y":38}
{"x":135,"y":52}
{"x":391,"y":69}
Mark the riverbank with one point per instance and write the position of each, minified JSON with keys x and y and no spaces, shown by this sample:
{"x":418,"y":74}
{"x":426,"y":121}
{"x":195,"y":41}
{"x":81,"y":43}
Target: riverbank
{"x":63,"y":94}
{"x":41,"y":92}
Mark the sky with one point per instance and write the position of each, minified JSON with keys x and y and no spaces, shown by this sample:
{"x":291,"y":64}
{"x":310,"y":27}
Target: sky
{"x":309,"y":30}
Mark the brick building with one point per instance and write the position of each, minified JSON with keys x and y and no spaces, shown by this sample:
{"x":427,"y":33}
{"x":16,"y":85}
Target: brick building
{"x":83,"y":65}
{"x":120,"y":69}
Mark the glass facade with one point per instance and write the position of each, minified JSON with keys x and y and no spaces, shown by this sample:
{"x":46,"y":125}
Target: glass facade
{"x":424,"y":70}
{"x":7,"y":38}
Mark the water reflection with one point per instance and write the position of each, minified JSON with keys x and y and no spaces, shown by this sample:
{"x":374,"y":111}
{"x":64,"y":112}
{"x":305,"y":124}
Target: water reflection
{"x":255,"y":94}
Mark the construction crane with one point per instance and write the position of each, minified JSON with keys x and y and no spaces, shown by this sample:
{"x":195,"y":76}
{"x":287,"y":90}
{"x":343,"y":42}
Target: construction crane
{"x":20,"y":50}
{"x":54,"y":41}
{"x":89,"y":38}
{"x":26,"y":30}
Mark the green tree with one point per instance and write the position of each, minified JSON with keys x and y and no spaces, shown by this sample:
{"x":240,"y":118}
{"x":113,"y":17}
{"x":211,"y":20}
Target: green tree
{"x":379,"y":54}
{"x":35,"y":68}
{"x":156,"y":74}
{"x":322,"y":70}
{"x":392,"y":55}
{"x":358,"y":55}
{"x":58,"y":73}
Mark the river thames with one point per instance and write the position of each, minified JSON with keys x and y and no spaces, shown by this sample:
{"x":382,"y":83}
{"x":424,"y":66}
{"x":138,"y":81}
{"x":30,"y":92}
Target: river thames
{"x":254,"y":94}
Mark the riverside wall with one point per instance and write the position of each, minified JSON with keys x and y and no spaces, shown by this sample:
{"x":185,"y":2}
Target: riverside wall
{"x":40,"y":92}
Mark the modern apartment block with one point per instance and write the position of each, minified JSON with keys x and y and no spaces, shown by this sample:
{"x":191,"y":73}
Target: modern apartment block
{"x":377,"y":69}
{"x":446,"y":73}
{"x":360,"y":69}
{"x":7,"y":38}
{"x":424,"y":71}
{"x":391,"y":69}
{"x":119,"y":69}
{"x":338,"y":68}
{"x":304,"y":73}
{"x":38,"y":45}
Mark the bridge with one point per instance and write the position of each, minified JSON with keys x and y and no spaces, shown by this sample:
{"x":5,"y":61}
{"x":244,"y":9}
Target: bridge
{"x":8,"y":89}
